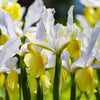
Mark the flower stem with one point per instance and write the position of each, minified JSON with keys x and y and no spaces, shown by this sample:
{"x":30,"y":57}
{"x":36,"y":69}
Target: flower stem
{"x":57,"y":78}
{"x":73,"y":87}
{"x":39,"y":89}
{"x":24,"y":82}
{"x":97,"y":94}
{"x":6,"y":92}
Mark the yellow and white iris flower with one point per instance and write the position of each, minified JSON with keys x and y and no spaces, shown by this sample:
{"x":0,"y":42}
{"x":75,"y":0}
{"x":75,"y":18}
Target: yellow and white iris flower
{"x":49,"y":36}
{"x":35,"y":62}
{"x":85,"y":76}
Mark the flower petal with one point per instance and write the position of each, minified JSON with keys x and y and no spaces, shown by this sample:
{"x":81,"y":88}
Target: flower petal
{"x":70,"y":21}
{"x":33,"y":13}
{"x":10,"y":49}
{"x":7,"y":22}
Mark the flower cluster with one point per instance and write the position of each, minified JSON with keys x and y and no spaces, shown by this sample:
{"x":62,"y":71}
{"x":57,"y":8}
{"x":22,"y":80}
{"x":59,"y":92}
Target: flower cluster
{"x":37,"y":55}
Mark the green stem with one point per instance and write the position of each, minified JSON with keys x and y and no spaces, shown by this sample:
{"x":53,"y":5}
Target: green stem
{"x":97,"y":94}
{"x":57,"y":78}
{"x":39,"y":89}
{"x":24,"y":81}
{"x":73,"y":87}
{"x":20,"y":94}
{"x":6,"y":92}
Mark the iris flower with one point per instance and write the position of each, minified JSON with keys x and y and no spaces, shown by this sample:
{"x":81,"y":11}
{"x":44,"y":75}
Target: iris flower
{"x":85,"y":75}
{"x":54,"y":37}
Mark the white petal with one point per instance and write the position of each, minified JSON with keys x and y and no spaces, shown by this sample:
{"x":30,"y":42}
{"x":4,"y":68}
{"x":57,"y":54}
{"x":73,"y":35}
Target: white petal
{"x":19,"y":31}
{"x":48,"y":21}
{"x":41,"y":35}
{"x":64,"y":64}
{"x":65,"y":57}
{"x":94,"y":35}
{"x":83,"y":22}
{"x":91,"y":3}
{"x":3,"y":29}
{"x":78,"y":64}
{"x":22,"y":11}
{"x":96,"y":54}
{"x":51,"y":62}
{"x":10,"y":64}
{"x":24,"y":49}
{"x":10,"y":49}
{"x":33,"y":13}
{"x":42,"y":44}
{"x":70,"y":20}
{"x":57,"y":27}
{"x":31,"y":29}
{"x":7,"y":22}
{"x":96,"y":66}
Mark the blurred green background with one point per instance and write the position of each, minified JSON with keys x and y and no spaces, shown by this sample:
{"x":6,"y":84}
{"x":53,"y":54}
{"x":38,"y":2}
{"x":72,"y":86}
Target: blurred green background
{"x":61,"y":7}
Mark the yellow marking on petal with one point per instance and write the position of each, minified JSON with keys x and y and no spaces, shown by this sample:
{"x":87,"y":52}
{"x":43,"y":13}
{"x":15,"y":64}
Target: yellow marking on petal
{"x":31,"y":49}
{"x":73,"y":35}
{"x":89,"y":72}
{"x":62,"y":32}
{"x":45,"y":40}
{"x":45,"y":32}
{"x":15,"y":11}
{"x":96,"y":61}
{"x":64,"y":77}
{"x":74,"y":48}
{"x":3,"y":39}
{"x":90,"y":15}
{"x":2,"y":78}
{"x":44,"y":56}
{"x":86,"y":79}
{"x":6,"y":8}
{"x":70,"y":62}
{"x":12,"y":85}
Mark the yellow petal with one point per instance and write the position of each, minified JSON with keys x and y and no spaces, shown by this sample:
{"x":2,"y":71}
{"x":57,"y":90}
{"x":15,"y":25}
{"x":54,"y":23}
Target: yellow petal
{"x":86,"y":79}
{"x":45,"y":79}
{"x":44,"y":56}
{"x":2,"y":78}
{"x":12,"y":85}
{"x":90,"y":15}
{"x":64,"y":77}
{"x":3,"y":39}
{"x":74,"y":48}
{"x":35,"y":61}
{"x":27,"y":59}
{"x":36,"y":66}
{"x":33,"y":84}
{"x":15,"y":11}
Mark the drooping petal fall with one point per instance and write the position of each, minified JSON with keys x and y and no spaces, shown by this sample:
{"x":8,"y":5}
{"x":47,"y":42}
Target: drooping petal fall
{"x":87,"y":80}
{"x":12,"y":85}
